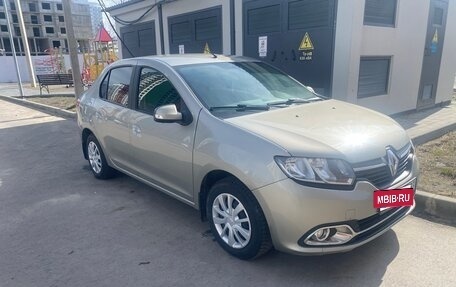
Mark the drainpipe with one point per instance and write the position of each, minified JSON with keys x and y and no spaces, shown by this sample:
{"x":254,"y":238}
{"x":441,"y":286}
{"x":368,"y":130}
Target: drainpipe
{"x":160,"y":23}
{"x":233,"y":27}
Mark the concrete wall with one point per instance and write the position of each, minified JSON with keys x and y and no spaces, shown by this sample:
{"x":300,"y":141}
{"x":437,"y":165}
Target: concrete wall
{"x":7,"y":64}
{"x":404,"y":43}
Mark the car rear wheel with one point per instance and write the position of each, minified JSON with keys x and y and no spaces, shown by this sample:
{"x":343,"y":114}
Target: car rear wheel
{"x":237,"y":221}
{"x":97,"y":160}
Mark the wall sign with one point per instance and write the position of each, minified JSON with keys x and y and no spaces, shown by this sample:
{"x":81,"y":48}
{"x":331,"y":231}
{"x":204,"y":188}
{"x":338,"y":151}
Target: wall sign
{"x":263,"y":46}
{"x":435,"y":42}
{"x":306,"y":47}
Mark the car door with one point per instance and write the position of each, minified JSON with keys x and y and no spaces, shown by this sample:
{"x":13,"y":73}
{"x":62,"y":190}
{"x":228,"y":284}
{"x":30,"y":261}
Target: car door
{"x":162,"y":151}
{"x":112,"y":118}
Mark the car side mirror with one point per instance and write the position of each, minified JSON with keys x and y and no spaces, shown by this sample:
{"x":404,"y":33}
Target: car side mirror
{"x":167,"y":114}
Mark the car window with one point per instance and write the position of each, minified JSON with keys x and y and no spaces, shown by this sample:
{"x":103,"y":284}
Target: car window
{"x":156,"y":90}
{"x":116,"y":85}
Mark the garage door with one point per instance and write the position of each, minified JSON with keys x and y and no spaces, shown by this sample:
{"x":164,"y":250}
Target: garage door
{"x":295,"y":36}
{"x":189,"y":33}
{"x":140,"y":40}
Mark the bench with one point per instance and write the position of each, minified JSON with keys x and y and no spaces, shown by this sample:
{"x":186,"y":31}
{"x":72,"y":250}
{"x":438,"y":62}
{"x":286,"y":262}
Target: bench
{"x":54,"y":79}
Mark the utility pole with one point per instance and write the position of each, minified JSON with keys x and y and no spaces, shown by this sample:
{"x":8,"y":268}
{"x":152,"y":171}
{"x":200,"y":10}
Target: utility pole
{"x":28,"y":58}
{"x":13,"y":48}
{"x":73,"y":49}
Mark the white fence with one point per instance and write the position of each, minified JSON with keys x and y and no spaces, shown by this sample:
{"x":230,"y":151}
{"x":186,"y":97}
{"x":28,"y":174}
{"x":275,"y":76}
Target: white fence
{"x":8,"y":69}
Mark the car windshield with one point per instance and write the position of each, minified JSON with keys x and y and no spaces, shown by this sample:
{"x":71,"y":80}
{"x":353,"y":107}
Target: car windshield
{"x":243,"y":86}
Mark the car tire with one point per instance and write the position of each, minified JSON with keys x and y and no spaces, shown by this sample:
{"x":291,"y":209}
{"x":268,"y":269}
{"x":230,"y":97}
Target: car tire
{"x":97,"y":159}
{"x":237,"y":220}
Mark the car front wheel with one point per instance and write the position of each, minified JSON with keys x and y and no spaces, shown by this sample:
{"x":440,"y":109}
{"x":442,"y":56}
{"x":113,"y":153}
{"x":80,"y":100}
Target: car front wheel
{"x":97,"y":160}
{"x":237,"y":221}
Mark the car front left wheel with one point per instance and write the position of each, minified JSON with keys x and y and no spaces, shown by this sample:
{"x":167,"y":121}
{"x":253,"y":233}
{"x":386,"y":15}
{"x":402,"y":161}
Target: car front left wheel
{"x":237,"y":221}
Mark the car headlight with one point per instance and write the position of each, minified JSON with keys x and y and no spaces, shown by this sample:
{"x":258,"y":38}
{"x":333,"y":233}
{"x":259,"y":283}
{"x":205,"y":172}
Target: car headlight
{"x":317,"y":170}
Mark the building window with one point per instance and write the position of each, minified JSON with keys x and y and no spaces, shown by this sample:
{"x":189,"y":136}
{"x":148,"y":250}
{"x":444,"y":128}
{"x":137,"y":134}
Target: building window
{"x":2,"y":15}
{"x":17,"y":31}
{"x":34,"y":19}
{"x":36,"y":32}
{"x":46,"y":6}
{"x":61,"y":19}
{"x":47,"y":18}
{"x":1,"y":3}
{"x":438,"y":16}
{"x":12,"y":6}
{"x":380,"y":13}
{"x":15,"y":20}
{"x":3,"y":28}
{"x":32,"y":7}
{"x":373,"y":76}
{"x":59,"y":7}
{"x":63,"y":30}
{"x":49,"y":30}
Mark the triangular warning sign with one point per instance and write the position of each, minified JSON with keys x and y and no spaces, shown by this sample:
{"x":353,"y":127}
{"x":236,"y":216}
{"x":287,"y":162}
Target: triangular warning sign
{"x":207,"y":50}
{"x":435,"y":39}
{"x":306,"y":43}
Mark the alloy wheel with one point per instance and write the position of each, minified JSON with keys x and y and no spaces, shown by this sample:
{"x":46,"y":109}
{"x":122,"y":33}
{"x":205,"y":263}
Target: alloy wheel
{"x":94,"y":157}
{"x":231,"y":220}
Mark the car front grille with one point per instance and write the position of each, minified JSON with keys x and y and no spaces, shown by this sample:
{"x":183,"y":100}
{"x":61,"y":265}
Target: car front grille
{"x":377,"y":171}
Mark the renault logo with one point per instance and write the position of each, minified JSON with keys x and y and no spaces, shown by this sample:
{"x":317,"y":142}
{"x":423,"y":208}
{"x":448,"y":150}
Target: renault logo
{"x":392,"y":160}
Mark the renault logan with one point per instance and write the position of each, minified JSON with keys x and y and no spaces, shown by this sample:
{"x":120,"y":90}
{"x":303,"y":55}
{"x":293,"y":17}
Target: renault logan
{"x":266,"y":160}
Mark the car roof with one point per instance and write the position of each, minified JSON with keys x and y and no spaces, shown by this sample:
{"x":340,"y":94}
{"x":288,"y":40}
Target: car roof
{"x":191,"y":59}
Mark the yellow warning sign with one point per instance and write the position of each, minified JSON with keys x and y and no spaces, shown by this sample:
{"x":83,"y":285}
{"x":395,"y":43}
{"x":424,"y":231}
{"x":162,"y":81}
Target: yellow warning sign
{"x":435,"y":39}
{"x":207,"y":50}
{"x":306,"y":43}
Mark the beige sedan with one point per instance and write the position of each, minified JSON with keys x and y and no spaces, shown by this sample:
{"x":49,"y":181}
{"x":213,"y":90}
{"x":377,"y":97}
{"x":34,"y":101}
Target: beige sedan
{"x":266,"y":161}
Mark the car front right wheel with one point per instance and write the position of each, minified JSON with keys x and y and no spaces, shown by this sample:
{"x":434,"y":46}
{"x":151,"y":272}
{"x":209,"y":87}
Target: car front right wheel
{"x":237,"y":221}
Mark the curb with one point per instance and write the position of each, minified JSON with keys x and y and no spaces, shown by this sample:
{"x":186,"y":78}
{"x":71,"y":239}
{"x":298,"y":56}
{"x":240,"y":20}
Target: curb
{"x":42,"y":107}
{"x":436,"y":205}
{"x":424,"y":138}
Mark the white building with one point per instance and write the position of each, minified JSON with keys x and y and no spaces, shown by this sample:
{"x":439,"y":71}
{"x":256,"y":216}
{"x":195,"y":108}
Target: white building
{"x":389,"y":55}
{"x":45,"y":25}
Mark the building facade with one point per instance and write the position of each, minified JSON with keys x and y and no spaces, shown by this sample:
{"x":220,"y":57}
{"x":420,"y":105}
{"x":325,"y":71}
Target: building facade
{"x":96,"y":17}
{"x":389,"y":55}
{"x":45,"y":25}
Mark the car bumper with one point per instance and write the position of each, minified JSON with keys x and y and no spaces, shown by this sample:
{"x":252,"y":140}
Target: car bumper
{"x":294,"y":211}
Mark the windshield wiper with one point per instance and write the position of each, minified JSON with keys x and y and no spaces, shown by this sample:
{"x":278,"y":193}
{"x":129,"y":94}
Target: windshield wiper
{"x":289,"y":102}
{"x":295,"y":101}
{"x":241,"y":107}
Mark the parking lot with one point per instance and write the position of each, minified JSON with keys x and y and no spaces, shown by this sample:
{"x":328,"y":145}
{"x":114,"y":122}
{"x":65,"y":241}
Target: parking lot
{"x":59,"y":226}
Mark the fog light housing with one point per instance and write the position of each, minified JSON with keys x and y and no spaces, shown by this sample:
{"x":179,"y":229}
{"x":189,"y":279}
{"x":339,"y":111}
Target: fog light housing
{"x":330,"y":235}
{"x":321,"y":234}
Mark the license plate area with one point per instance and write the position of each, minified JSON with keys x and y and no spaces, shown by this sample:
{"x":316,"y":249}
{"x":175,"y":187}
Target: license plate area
{"x":400,"y":197}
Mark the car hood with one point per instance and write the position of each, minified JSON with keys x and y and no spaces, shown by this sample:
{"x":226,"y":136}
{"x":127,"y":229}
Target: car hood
{"x":328,"y":128}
